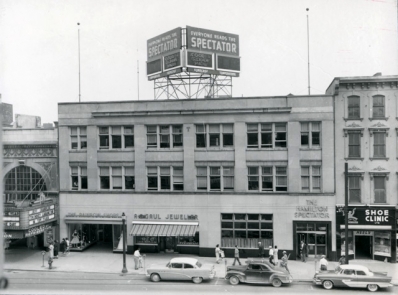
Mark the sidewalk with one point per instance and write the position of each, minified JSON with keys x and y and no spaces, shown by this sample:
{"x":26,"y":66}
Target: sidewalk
{"x":104,"y":262}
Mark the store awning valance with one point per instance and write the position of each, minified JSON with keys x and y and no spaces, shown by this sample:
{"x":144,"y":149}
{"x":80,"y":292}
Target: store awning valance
{"x":164,"y":229}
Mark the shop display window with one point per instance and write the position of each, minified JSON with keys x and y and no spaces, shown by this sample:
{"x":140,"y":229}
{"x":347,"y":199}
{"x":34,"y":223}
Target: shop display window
{"x":82,"y":235}
{"x":146,"y":240}
{"x":350,"y":243}
{"x":246,"y":230}
{"x":382,"y":244}
{"x":189,"y":240}
{"x":118,"y":237}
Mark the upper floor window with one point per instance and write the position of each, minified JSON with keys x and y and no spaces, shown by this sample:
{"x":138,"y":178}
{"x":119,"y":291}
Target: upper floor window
{"x":311,"y":178}
{"x":78,"y":177}
{"x":78,"y":138}
{"x":354,"y":144}
{"x":116,"y":137}
{"x":215,"y":178}
{"x":378,"y":106}
{"x":379,"y":189}
{"x":311,"y":134}
{"x":214,"y":135}
{"x":164,"y":136}
{"x":267,"y":178}
{"x":379,"y":144}
{"x":117,"y":178}
{"x":354,"y":188}
{"x":354,"y":107}
{"x":267,"y":135}
{"x":165,"y":178}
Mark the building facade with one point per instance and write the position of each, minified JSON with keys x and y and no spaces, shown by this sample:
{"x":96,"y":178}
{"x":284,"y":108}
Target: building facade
{"x":366,"y":113}
{"x":191,"y":174}
{"x":30,"y":186}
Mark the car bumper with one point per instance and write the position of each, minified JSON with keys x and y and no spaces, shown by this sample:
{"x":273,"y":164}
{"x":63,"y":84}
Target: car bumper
{"x":212,"y":275}
{"x":317,"y":282}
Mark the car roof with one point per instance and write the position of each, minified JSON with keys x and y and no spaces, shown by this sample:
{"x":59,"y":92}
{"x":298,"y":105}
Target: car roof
{"x":184,"y":260}
{"x":354,"y":266}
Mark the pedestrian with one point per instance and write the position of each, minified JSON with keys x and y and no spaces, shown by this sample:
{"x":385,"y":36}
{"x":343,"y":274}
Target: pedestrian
{"x":284,"y":261}
{"x":342,"y":260}
{"x":67,"y":245}
{"x":236,"y":255}
{"x":276,"y":255}
{"x":260,"y":250}
{"x":303,"y":251}
{"x":323,"y":263}
{"x":271,"y":255}
{"x":62,"y":246}
{"x":137,"y":259}
{"x":51,"y":250}
{"x":56,"y":247}
{"x":218,"y":253}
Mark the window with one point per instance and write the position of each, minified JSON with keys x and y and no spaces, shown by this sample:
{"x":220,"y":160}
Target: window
{"x":78,"y":138}
{"x":273,"y":178}
{"x":354,"y":144}
{"x":311,"y":178}
{"x":379,"y":144}
{"x":246,"y":230}
{"x":270,"y":135}
{"x":379,"y":189}
{"x":117,"y":178}
{"x":310,"y":134}
{"x":219,"y":135}
{"x":353,"y":107}
{"x":220,"y":178}
{"x":354,"y":189}
{"x":119,"y":137}
{"x":167,"y":136}
{"x":378,"y":106}
{"x":166,"y":176}
{"x":23,"y":182}
{"x":78,"y":178}
{"x":104,"y":178}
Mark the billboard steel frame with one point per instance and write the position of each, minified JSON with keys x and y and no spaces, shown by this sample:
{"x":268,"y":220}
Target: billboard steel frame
{"x":192,"y":85}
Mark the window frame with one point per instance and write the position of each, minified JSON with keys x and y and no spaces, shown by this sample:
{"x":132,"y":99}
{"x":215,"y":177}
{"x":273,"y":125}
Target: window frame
{"x":376,"y":107}
{"x":351,"y":188}
{"x":221,"y":177}
{"x":205,"y":132}
{"x":112,"y":176}
{"x":353,"y":108}
{"x":263,"y":133}
{"x":165,"y":135}
{"x":311,"y":134}
{"x":111,"y":136}
{"x":311,"y":176}
{"x":276,"y":178}
{"x":161,"y":176}
{"x":79,"y":136}
{"x":81,"y":174}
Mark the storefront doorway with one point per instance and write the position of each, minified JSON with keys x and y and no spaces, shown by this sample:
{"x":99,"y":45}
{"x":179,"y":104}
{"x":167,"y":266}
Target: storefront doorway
{"x":363,"y":247}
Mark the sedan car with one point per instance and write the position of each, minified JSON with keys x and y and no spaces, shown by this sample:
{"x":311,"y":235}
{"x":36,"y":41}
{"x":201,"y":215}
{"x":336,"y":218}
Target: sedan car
{"x":182,"y":268}
{"x":349,"y":275}
{"x":258,"y":271}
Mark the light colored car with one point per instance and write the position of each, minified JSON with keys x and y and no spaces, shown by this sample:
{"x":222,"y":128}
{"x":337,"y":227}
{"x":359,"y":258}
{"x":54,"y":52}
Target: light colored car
{"x":182,"y":268}
{"x":258,"y":271}
{"x":356,"y":276}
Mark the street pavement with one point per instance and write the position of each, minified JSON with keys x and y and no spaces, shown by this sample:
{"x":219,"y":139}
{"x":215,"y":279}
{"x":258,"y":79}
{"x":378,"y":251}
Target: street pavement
{"x":107,"y":262}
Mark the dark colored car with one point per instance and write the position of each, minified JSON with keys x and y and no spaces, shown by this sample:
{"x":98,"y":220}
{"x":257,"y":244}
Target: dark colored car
{"x":258,"y":271}
{"x":350,"y":275}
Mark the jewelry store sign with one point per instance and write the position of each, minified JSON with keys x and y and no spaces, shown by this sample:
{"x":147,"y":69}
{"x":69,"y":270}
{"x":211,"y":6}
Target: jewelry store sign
{"x":311,"y":210}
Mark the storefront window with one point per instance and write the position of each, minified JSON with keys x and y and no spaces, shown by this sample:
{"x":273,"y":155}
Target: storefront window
{"x":146,"y":240}
{"x":82,"y":235}
{"x":118,"y":237}
{"x":382,"y":244}
{"x":246,"y":230}
{"x":189,"y":240}
{"x":350,"y":243}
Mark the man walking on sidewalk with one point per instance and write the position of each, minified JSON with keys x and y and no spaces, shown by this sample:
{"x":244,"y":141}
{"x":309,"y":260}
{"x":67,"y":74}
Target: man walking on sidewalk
{"x":236,"y":255}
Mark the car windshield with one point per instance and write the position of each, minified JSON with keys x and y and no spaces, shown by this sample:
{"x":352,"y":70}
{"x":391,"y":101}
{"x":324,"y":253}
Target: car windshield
{"x":337,"y":270}
{"x":198,"y":264}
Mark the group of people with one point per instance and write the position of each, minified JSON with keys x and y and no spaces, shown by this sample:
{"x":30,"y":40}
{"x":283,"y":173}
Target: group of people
{"x":54,"y":248}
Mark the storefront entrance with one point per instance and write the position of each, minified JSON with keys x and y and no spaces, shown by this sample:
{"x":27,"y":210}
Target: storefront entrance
{"x":363,"y":247}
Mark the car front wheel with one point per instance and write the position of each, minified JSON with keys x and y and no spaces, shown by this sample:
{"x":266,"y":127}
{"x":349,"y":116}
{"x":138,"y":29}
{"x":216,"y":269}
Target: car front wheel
{"x":372,"y":287}
{"x":276,"y":282}
{"x":234,"y":280}
{"x":155,"y":277}
{"x":197,"y":280}
{"x":327,"y":285}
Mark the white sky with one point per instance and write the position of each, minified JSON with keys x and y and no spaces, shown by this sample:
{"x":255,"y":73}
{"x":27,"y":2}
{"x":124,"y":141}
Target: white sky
{"x":39,"y":48}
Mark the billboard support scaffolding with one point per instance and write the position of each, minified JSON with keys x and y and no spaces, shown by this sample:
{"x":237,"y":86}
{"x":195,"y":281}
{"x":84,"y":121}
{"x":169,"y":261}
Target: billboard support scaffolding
{"x":192,"y":85}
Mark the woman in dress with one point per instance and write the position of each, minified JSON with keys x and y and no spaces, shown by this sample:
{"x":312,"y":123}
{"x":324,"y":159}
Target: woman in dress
{"x":276,"y":255}
{"x":218,"y":252}
{"x":75,"y":239}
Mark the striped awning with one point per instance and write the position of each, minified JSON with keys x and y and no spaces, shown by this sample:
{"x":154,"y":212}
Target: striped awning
{"x":164,"y":229}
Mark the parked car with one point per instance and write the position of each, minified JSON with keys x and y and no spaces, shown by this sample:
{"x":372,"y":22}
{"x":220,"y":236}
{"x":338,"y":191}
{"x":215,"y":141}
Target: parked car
{"x":182,"y":268}
{"x":258,"y":271}
{"x":349,"y":275}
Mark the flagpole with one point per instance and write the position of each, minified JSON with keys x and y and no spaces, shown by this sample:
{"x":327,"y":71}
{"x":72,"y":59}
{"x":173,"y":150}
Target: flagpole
{"x":308,"y":50}
{"x":78,"y":41}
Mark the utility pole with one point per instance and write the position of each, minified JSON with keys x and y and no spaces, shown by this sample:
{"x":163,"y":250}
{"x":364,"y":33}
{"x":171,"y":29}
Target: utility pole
{"x":346,"y":213}
{"x":308,"y":51}
{"x":78,"y":42}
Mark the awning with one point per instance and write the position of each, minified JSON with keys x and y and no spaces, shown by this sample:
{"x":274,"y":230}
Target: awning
{"x":164,"y":229}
